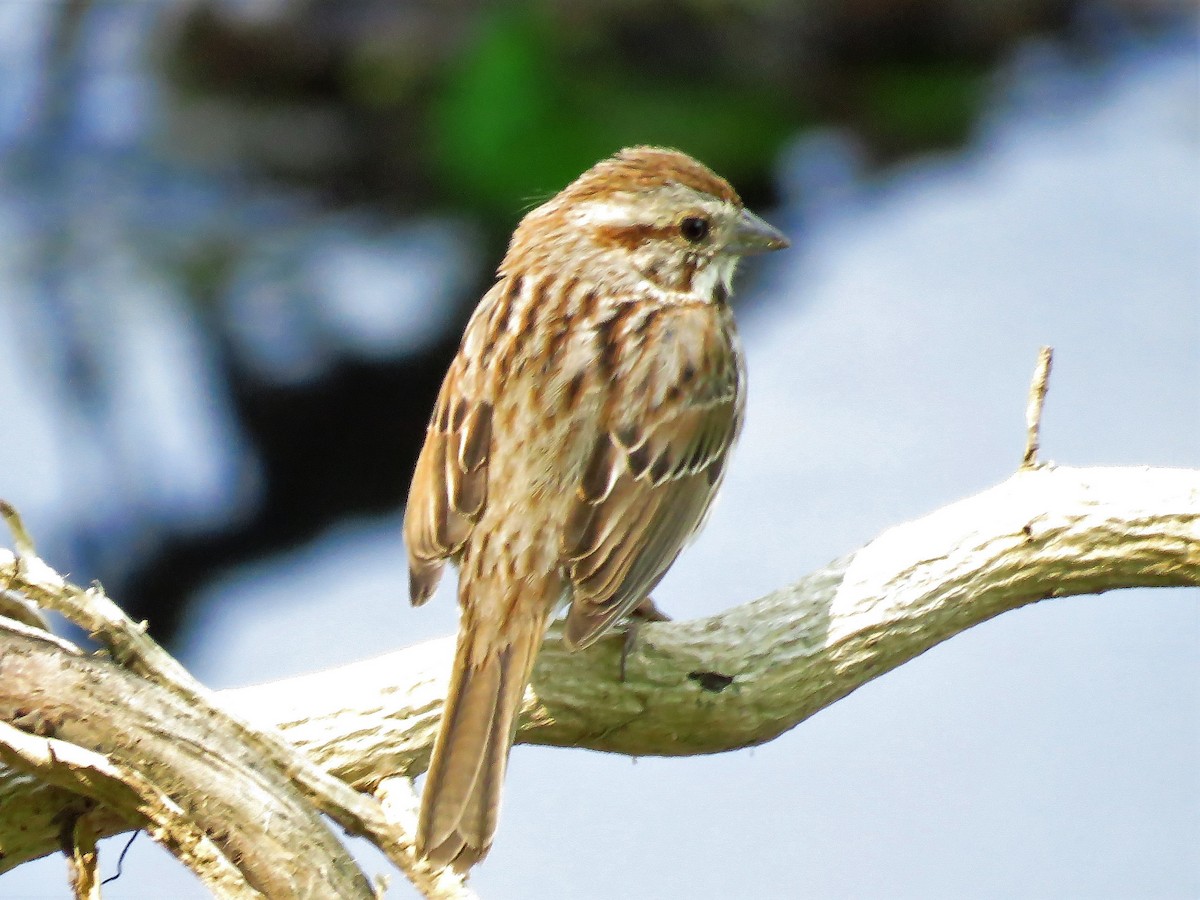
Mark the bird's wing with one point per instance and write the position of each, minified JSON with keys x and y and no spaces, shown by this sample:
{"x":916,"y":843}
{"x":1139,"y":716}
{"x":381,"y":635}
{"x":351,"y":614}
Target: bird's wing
{"x":449,"y":484}
{"x":673,"y":412}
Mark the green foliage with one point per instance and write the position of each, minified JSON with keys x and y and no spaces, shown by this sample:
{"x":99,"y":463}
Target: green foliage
{"x":913,"y":107}
{"x":515,"y":120}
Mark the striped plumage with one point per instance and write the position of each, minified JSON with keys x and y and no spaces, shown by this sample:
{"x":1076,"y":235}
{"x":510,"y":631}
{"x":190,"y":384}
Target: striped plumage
{"x":579,"y":437}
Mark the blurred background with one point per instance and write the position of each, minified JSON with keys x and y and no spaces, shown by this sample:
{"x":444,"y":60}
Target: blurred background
{"x":238,"y":243}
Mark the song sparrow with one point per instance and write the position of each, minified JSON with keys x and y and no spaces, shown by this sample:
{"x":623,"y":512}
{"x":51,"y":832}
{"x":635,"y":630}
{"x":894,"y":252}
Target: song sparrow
{"x":578,"y":439}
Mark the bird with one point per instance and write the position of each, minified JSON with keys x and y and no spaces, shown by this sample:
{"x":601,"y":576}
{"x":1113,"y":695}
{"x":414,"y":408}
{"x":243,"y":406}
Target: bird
{"x":578,"y":439}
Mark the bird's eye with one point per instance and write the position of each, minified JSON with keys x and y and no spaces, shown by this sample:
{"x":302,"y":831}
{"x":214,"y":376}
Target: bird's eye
{"x":693,"y":228}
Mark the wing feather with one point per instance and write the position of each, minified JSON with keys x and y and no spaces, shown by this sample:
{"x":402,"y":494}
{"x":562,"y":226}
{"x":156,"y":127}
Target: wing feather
{"x":649,"y":481}
{"x":449,"y":486}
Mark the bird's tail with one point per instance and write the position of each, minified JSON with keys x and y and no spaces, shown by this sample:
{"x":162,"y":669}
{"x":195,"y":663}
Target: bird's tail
{"x":461,"y":798}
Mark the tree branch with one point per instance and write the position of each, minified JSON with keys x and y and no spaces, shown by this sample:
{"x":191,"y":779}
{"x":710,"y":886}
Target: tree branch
{"x":732,"y":680}
{"x":324,"y":866}
{"x":1033,"y":409}
{"x":92,"y":775}
{"x":123,"y":746}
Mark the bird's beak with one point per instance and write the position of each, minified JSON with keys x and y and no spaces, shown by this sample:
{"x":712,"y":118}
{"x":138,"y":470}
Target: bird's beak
{"x":752,"y":235}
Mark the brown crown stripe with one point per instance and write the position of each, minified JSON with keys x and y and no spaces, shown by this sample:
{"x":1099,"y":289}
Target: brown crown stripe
{"x":647,"y":168}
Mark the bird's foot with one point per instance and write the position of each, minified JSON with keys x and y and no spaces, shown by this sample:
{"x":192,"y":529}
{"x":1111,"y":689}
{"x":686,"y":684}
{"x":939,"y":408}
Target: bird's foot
{"x":646,"y":611}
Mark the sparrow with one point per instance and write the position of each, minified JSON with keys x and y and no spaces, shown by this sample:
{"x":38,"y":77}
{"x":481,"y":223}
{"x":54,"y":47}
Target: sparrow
{"x":577,"y":442}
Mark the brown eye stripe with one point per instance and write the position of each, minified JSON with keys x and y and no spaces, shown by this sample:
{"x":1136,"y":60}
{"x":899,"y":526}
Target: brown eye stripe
{"x":631,"y":237}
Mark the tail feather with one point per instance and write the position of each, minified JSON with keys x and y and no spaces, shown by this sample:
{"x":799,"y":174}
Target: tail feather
{"x":458,"y":752}
{"x":461,"y":799}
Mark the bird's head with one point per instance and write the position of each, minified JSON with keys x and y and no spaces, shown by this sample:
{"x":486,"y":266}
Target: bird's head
{"x":651,"y":215}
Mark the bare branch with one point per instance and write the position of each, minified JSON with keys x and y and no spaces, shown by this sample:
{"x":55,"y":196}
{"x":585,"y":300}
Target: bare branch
{"x":129,"y":644}
{"x":93,"y":775}
{"x":91,"y":729}
{"x":704,"y":686}
{"x":22,"y":542}
{"x":1033,"y":410}
{"x":13,"y":605}
{"x":82,"y":855}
